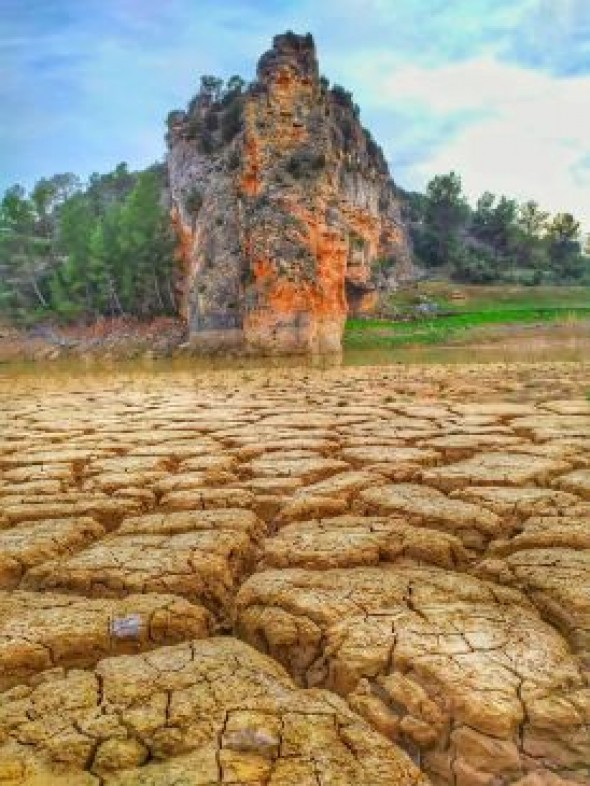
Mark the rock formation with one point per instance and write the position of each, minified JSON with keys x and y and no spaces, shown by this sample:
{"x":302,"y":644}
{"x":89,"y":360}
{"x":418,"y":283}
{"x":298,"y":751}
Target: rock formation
{"x":285,"y":210}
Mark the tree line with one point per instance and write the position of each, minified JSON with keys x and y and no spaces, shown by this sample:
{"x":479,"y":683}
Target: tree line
{"x":498,"y":241}
{"x":73,"y":251}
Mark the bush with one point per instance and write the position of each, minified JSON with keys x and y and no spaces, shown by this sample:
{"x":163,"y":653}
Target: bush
{"x":473,"y":266}
{"x":233,"y":89}
{"x":212,"y":121}
{"x":233,"y":160}
{"x":342,"y":96}
{"x":194,"y":128}
{"x":527,"y":278}
{"x":572,"y":268}
{"x":425,"y":242}
{"x":231,"y":121}
{"x":382,"y":264}
{"x":373,"y":150}
{"x":305,"y":162}
{"x":357,"y":241}
{"x":207,"y":142}
{"x":174,"y":117}
{"x":194,"y":201}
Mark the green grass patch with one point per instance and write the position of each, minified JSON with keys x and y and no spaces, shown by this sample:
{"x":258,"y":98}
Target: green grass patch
{"x":366,"y":333}
{"x":459,"y":310}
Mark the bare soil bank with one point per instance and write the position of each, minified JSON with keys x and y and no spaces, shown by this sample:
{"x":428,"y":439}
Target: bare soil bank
{"x":126,"y":339}
{"x":108,"y":338}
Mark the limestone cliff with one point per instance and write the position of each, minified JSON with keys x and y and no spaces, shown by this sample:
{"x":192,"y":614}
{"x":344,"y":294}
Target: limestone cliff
{"x":285,"y":210}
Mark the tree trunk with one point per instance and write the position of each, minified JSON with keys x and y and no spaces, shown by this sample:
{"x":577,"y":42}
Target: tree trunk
{"x":115,"y":299}
{"x":157,"y":291}
{"x":38,"y":292}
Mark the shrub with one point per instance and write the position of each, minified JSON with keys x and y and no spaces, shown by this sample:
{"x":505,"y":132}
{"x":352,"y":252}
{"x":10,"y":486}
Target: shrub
{"x":305,"y":162}
{"x":231,"y":121}
{"x":473,"y":266}
{"x":425,"y":242}
{"x":174,"y":117}
{"x":194,"y":128}
{"x":212,"y":121}
{"x":233,"y":160}
{"x":342,"y":96}
{"x":382,"y":263}
{"x":194,"y":201}
{"x":373,"y":150}
{"x":207,"y":141}
{"x":357,"y":241}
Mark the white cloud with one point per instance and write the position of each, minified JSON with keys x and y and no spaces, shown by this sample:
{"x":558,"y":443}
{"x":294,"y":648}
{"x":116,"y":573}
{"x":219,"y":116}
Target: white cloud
{"x":530,"y":140}
{"x":462,"y":85}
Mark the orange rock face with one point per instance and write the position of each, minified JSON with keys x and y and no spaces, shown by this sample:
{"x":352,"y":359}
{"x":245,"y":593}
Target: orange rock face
{"x":285,"y":211}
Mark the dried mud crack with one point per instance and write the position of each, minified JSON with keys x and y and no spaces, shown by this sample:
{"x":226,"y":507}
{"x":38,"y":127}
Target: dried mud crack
{"x":352,"y":576}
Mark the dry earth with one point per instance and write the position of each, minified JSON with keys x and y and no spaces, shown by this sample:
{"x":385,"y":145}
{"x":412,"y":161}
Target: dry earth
{"x":299,"y":578}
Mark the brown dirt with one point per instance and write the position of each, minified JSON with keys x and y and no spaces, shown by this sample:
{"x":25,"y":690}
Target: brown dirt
{"x":398,"y":560}
{"x":107,"y":338}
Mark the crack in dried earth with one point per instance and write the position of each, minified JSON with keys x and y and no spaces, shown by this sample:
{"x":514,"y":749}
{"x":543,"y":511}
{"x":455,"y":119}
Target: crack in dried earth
{"x":398,"y":560}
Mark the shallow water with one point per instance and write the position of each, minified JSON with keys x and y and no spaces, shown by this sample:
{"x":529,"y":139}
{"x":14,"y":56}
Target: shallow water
{"x":518,"y":350}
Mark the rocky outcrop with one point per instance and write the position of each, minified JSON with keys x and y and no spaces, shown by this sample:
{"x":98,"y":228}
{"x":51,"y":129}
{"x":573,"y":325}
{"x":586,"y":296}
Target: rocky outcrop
{"x":286,"y":214}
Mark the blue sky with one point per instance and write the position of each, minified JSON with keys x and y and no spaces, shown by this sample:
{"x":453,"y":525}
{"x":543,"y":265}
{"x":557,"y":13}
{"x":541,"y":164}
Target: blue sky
{"x":498,"y":90}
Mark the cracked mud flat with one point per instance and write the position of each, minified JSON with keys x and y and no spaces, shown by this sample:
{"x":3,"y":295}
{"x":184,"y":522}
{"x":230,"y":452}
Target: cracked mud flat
{"x":297,"y":578}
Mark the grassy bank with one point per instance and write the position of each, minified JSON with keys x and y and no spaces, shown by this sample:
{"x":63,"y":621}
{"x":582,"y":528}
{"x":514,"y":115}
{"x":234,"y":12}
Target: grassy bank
{"x":435,"y":313}
{"x":462,"y":298}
